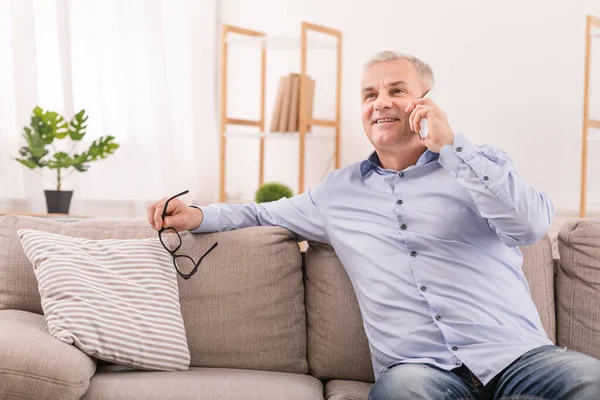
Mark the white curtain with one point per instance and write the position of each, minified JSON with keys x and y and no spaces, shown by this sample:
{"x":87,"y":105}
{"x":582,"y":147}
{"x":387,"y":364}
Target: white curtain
{"x":144,"y":71}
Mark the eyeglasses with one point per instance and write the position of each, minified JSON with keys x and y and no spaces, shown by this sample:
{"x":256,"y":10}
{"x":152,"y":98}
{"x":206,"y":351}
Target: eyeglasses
{"x":181,"y":262}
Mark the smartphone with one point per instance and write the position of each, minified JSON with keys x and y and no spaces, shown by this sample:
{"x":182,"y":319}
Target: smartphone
{"x":424,"y":132}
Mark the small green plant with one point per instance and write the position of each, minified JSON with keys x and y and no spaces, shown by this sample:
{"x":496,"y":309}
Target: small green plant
{"x":272,"y":191}
{"x":48,"y":126}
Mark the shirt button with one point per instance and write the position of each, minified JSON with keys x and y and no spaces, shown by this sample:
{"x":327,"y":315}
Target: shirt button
{"x":413,"y":253}
{"x":454,"y":348}
{"x":458,"y":363}
{"x":423,"y":288}
{"x":486,"y":178}
{"x":401,"y":174}
{"x":438,"y":318}
{"x":403,"y":227}
{"x":459,"y":149}
{"x":399,"y":201}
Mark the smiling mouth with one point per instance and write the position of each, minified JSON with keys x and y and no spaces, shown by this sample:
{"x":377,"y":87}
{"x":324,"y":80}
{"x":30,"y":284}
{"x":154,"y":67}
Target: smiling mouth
{"x":385,"y":120}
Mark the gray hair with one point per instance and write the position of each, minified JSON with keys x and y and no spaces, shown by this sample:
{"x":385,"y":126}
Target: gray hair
{"x":387,"y":55}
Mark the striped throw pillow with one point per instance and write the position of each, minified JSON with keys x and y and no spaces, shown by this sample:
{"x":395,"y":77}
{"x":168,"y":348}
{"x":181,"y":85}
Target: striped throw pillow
{"x":116,"y":300}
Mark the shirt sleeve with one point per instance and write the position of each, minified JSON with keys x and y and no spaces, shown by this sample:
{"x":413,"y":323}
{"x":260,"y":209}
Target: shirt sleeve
{"x":304,"y":214}
{"x":520,"y":214}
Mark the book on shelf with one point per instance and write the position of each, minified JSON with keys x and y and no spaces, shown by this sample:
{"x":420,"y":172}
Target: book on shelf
{"x":286,"y":109}
{"x":310,"y":97}
{"x":285,"y":104}
{"x":292,"y":125}
{"x":277,"y":110}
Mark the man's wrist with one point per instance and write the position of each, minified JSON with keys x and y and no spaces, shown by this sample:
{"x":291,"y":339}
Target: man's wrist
{"x":201,"y":217}
{"x":452,"y":156}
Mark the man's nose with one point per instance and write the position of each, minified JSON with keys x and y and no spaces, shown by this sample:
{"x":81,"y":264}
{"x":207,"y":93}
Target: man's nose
{"x":383,"y":101}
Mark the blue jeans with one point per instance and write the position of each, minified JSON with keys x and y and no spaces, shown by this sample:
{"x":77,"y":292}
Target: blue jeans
{"x":547,"y":372}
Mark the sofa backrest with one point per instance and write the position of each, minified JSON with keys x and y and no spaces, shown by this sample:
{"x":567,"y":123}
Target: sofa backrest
{"x":337,"y":344}
{"x":18,"y":285}
{"x":243,"y":309}
{"x":538,"y":267}
{"x":578,"y":286}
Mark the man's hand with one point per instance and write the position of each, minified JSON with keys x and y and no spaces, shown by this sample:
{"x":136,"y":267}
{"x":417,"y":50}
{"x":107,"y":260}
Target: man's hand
{"x":179,"y":216}
{"x":440,"y":132}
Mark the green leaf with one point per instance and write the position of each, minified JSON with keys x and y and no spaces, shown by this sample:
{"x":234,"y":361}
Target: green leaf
{"x":60,"y":160}
{"x":27,"y":163}
{"x":78,"y":127}
{"x":81,"y":167}
{"x":79,"y":162}
{"x":101,"y":148}
{"x":49,"y":125}
{"x":37,"y":147}
{"x":35,"y":151}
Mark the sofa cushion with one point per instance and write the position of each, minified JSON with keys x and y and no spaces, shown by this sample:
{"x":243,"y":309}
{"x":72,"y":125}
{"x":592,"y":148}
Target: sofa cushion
{"x":578,"y":286}
{"x":337,"y":344}
{"x":244,"y":308}
{"x":203,"y":384}
{"x":34,"y":365}
{"x":347,"y":390}
{"x":116,"y":300}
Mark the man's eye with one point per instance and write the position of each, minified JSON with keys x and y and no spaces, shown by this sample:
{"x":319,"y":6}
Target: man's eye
{"x":394,"y":91}
{"x":369,"y":95}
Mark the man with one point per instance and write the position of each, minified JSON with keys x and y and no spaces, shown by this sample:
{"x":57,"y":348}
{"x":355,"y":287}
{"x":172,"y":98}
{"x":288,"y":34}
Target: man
{"x":428,"y":231}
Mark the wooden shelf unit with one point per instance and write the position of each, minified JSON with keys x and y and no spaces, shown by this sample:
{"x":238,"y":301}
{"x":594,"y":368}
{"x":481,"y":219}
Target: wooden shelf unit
{"x":304,"y":120}
{"x":592,"y":29}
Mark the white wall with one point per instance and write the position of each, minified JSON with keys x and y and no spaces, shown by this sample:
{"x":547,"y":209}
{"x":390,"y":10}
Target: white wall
{"x":508,"y":73}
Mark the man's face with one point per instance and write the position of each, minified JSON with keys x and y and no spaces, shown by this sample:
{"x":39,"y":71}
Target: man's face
{"x":387,"y":88}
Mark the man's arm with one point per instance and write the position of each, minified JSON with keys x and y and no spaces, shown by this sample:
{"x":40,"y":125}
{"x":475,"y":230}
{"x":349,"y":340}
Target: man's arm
{"x":520,"y":214}
{"x":304,"y":214}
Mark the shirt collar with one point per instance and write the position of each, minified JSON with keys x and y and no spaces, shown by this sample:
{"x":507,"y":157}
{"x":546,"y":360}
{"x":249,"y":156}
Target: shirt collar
{"x":373,"y":161}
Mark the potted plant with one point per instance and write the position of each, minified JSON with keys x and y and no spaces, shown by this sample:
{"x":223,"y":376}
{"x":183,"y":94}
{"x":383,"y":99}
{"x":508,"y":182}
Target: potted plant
{"x":46,"y":127}
{"x":272,"y":191}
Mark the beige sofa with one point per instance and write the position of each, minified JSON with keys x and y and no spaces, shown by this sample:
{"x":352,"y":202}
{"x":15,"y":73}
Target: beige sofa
{"x":263,"y":319}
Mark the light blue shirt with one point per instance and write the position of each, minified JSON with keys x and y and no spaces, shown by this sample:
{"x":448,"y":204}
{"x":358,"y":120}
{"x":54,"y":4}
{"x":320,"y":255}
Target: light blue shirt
{"x":431,"y":252}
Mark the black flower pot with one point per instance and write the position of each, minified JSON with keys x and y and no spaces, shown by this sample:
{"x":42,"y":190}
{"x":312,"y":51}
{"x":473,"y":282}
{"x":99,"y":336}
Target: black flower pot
{"x":58,"y":201}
